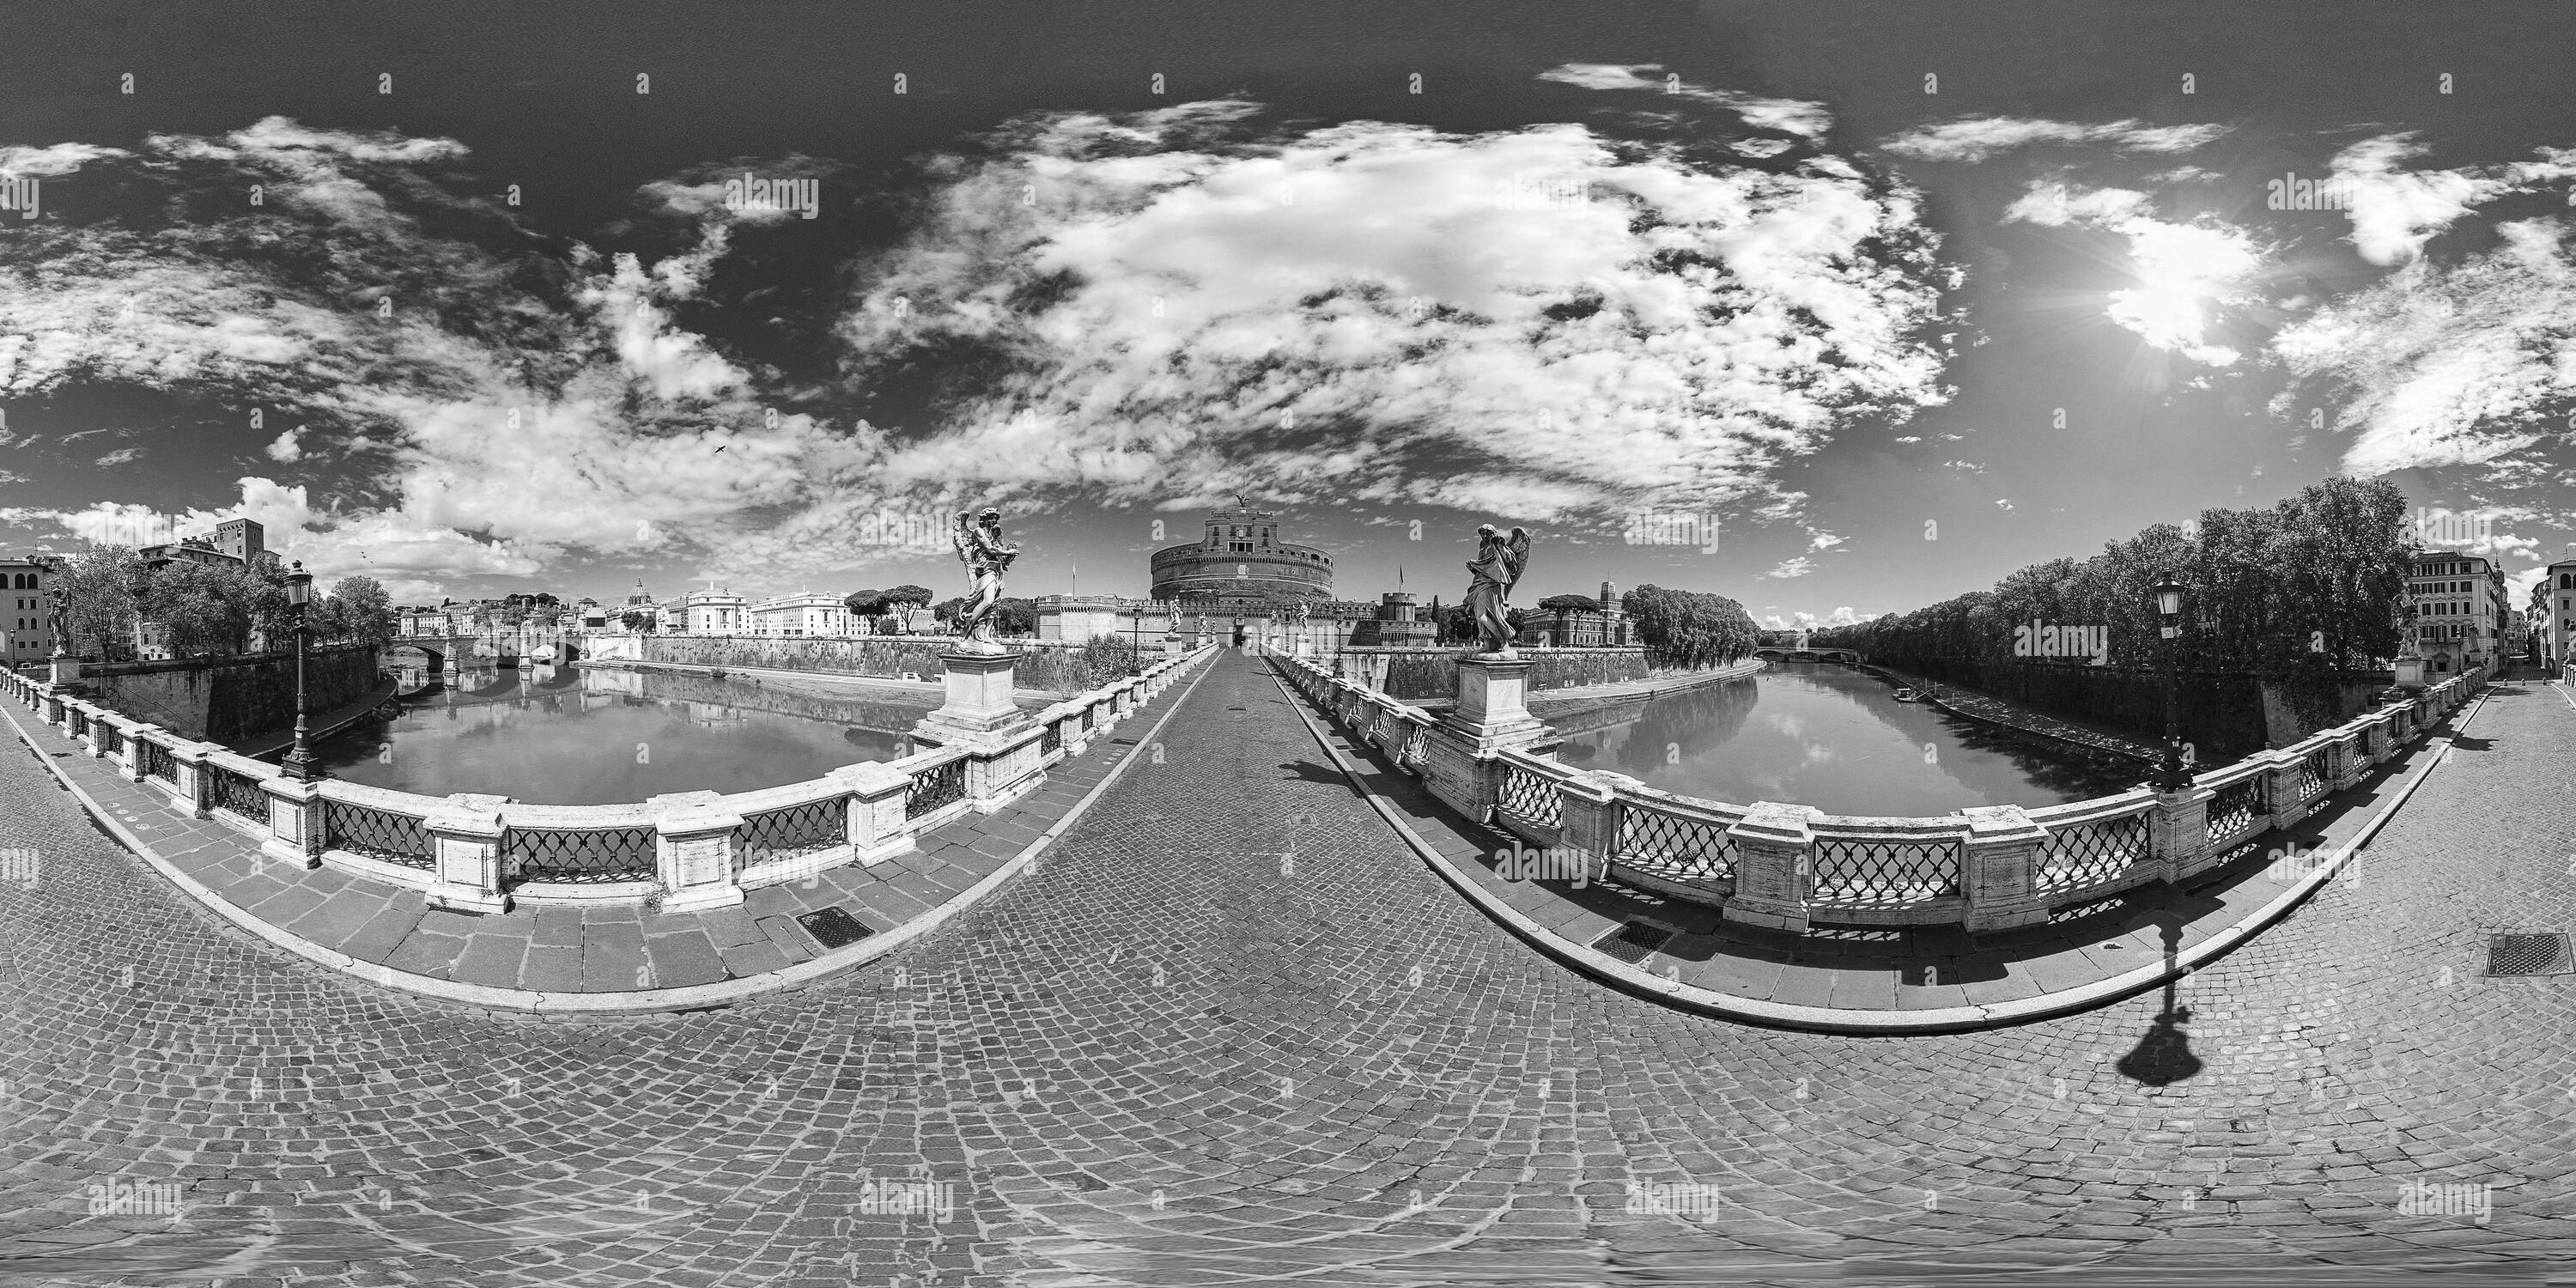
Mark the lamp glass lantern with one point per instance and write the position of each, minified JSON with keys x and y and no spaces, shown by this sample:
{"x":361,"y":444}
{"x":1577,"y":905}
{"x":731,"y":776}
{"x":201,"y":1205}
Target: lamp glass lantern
{"x":299,"y":587}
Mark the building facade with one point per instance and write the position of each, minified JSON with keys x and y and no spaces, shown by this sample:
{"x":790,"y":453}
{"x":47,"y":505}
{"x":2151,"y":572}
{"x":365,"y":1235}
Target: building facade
{"x":706,"y":612}
{"x":234,"y":541}
{"x":804,"y":615}
{"x":1240,"y":562}
{"x":1084,"y":617}
{"x":26,"y":628}
{"x":2460,"y":610}
{"x":2554,"y":596}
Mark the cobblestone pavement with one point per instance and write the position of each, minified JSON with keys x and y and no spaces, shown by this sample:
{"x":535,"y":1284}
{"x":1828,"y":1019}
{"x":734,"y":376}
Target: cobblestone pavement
{"x":1231,"y":1032}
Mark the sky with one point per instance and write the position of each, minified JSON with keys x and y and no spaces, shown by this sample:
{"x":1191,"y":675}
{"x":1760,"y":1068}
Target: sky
{"x":1837,"y":309}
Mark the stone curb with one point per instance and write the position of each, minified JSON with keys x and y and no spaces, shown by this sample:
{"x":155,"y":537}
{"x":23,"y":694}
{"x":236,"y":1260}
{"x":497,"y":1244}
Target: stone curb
{"x":635,"y":1002}
{"x":1829,"y":1019}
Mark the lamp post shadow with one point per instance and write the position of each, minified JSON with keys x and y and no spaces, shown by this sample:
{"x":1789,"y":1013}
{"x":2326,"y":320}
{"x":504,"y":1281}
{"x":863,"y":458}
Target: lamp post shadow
{"x":2163,"y":1056}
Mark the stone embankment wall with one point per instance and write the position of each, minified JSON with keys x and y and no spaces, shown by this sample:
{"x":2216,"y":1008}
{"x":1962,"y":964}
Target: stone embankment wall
{"x":2225,"y":716}
{"x":231,"y":699}
{"x":1411,"y":674}
{"x":1049,"y":666}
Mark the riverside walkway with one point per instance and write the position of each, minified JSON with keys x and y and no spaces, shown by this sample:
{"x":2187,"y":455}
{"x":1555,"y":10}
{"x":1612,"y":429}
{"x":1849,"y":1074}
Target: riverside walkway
{"x":1233,"y":1030}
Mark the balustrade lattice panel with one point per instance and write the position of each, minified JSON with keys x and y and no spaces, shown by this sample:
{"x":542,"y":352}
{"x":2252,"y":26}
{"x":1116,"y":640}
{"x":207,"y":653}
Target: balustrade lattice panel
{"x":80,"y":722}
{"x":584,"y":856}
{"x":2310,"y":775}
{"x":1417,"y":745}
{"x":2086,"y":854}
{"x":1052,"y":741}
{"x":111,"y":739}
{"x":2235,"y":807}
{"x":240,"y":793}
{"x":1686,"y":850}
{"x":1874,"y":872}
{"x":378,"y":834}
{"x":1086,"y":719}
{"x":1530,"y":798}
{"x":933,"y":789}
{"x":794,"y":832}
{"x":157,"y":763}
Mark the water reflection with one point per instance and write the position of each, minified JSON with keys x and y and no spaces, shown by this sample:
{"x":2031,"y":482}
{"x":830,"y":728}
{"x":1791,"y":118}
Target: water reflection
{"x":557,"y":735}
{"x":1822,"y":735}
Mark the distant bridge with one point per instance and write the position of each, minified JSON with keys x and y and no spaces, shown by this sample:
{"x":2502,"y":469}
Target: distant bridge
{"x":1849,"y":657}
{"x":445,"y":652}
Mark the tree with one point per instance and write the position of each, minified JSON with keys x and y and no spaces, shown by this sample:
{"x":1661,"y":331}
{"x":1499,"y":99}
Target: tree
{"x":639,"y":622}
{"x":102,"y":582}
{"x":204,"y":608}
{"x":1691,"y":628}
{"x":907,"y":600}
{"x":361,"y":611}
{"x":947,"y":609}
{"x":1569,"y":604}
{"x":1015,"y":617}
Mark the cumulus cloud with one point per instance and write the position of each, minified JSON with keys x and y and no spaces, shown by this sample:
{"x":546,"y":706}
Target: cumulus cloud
{"x":1976,"y":138}
{"x":511,"y":408}
{"x":1539,"y":323}
{"x":119,"y":457}
{"x":1798,"y":567}
{"x":2185,"y":272}
{"x":1787,"y":115}
{"x":57,"y":159}
{"x":2394,"y":210}
{"x":2448,"y":366}
{"x":1842,"y":616}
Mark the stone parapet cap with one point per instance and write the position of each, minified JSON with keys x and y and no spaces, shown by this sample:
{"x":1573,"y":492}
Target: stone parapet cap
{"x":575,"y":818}
{"x":1998,"y":824}
{"x":870,"y":779}
{"x":468,"y":814}
{"x":1779,"y":823}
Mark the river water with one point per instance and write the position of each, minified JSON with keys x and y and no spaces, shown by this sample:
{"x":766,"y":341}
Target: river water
{"x":551,"y":735}
{"x":1813,"y":733}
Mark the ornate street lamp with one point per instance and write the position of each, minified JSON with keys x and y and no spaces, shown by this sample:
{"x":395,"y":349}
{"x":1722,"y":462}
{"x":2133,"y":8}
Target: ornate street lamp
{"x":2171,"y":776}
{"x":298,"y":761}
{"x":1135,"y":645}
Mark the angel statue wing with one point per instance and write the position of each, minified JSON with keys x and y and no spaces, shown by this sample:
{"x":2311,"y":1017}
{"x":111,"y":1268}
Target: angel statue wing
{"x":1515,"y":558}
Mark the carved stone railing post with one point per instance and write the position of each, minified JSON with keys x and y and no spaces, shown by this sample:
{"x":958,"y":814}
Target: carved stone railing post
{"x":1775,"y":846}
{"x":295,"y":831}
{"x":1999,"y":868}
{"x":694,"y":855}
{"x":195,"y":789}
{"x":2281,"y":787}
{"x":465,"y":835}
{"x":877,"y":829}
{"x":2178,"y":833}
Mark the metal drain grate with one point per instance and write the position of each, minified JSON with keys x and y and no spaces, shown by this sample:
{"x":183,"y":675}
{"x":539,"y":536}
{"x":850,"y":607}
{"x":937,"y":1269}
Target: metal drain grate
{"x":1633,"y":942}
{"x":2528,"y":955}
{"x":833,"y":927}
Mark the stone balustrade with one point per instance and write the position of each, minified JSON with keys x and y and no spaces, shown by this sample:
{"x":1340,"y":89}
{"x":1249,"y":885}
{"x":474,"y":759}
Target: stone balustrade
{"x":1785,"y":865}
{"x":685,"y":851}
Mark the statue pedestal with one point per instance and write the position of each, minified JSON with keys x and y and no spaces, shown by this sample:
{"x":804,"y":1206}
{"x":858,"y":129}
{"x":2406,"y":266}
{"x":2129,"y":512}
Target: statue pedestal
{"x":2410,"y":672}
{"x":979,"y":700}
{"x":66,"y":672}
{"x":1490,"y":709}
